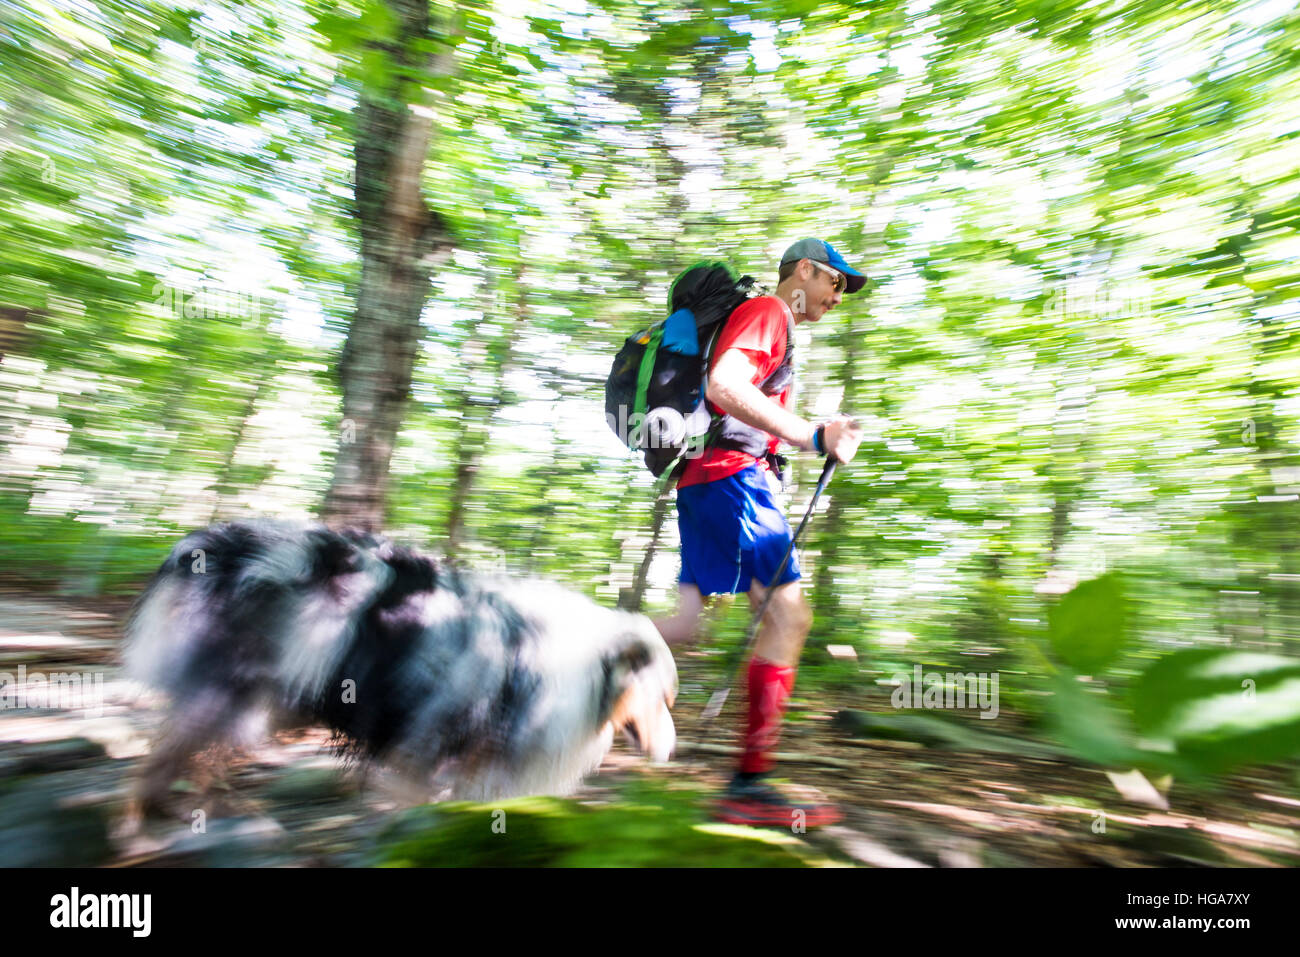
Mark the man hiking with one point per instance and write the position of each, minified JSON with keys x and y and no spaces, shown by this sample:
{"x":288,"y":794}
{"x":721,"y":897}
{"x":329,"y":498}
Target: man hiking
{"x":733,"y":533}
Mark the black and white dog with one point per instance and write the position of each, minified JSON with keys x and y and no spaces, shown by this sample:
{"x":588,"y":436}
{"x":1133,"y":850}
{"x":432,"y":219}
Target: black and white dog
{"x":475,"y":687}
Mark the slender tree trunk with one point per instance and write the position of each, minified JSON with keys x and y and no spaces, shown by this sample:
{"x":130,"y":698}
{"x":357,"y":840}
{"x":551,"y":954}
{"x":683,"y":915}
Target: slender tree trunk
{"x":224,"y":480}
{"x":1068,"y":473}
{"x":633,"y":598}
{"x":1266,"y":523}
{"x":468,"y":454}
{"x":825,"y":599}
{"x":13,"y":327}
{"x":540,"y":517}
{"x":669,"y":171}
{"x":401,"y":239}
{"x":479,"y":416}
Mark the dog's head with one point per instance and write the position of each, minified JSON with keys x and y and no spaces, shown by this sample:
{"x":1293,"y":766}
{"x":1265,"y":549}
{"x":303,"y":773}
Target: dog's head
{"x":640,"y":688}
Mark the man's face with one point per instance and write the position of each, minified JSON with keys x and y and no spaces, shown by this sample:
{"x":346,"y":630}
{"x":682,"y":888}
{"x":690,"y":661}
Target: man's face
{"x":820,"y":295}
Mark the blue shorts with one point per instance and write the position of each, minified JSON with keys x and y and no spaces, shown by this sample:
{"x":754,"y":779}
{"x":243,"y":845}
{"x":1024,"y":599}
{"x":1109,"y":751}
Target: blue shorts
{"x":732,"y":531}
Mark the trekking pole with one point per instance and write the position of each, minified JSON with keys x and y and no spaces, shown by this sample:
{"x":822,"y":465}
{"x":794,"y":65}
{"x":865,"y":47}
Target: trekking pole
{"x":719,"y":697}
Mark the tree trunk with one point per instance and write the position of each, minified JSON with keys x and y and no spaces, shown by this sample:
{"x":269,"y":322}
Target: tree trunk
{"x":825,"y":599}
{"x":830,"y":536}
{"x":401,"y":239}
{"x":225,"y":480}
{"x":633,"y":598}
{"x":13,"y":327}
{"x":479,"y":415}
{"x":468,"y":453}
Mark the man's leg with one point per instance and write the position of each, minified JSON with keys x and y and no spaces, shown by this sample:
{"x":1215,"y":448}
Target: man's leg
{"x":785,"y":624}
{"x":748,"y":799}
{"x":771,"y":671}
{"x":683,"y":626}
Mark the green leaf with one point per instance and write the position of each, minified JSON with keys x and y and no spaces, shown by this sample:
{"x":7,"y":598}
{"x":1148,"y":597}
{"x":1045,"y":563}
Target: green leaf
{"x":1087,"y":725}
{"x":1222,"y":707}
{"x":1088,"y":626}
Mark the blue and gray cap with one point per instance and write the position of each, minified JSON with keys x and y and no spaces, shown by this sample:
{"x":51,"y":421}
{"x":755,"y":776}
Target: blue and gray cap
{"x":824,"y":252}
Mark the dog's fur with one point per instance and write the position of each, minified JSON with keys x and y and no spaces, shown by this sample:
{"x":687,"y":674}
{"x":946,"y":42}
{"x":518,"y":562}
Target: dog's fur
{"x":475,"y":687}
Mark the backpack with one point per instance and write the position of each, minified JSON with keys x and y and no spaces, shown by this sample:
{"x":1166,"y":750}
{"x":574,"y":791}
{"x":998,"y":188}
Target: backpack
{"x":655,"y":390}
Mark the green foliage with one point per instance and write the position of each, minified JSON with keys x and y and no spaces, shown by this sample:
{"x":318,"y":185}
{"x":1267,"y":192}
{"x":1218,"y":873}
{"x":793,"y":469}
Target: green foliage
{"x":935,"y":731}
{"x":1090,"y":725}
{"x":1089,"y":625}
{"x":1221,"y":707}
{"x":653,"y":826}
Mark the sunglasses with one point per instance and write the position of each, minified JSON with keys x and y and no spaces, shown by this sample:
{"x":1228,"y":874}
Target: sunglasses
{"x":840,"y":280}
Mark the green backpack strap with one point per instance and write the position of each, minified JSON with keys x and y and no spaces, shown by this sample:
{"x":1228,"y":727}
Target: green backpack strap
{"x":647,"y":369}
{"x":673,"y":472}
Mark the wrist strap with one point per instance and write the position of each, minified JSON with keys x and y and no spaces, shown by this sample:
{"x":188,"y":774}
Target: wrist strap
{"x":819,"y":440}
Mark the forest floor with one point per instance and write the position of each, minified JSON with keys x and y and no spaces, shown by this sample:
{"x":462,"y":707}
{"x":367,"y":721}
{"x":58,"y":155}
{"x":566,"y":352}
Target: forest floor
{"x":64,"y":777}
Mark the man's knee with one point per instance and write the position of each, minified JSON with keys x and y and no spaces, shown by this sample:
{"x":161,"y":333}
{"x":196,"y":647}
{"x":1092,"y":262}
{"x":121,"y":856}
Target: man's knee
{"x":789,"y":609}
{"x":684,"y":625}
{"x":799,"y":612}
{"x":788,"y":621}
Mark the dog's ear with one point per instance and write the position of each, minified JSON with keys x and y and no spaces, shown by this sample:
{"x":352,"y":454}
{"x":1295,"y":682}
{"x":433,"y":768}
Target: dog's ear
{"x":621,"y":667}
{"x":640,"y":683}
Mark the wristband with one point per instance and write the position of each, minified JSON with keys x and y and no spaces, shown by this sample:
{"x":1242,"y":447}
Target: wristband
{"x":819,"y":440}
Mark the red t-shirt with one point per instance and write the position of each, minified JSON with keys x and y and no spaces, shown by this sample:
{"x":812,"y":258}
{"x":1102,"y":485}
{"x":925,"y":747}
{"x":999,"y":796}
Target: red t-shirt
{"x":758,"y":328}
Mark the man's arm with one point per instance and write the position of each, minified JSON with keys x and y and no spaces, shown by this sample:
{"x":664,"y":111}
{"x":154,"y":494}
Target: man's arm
{"x":732,"y":389}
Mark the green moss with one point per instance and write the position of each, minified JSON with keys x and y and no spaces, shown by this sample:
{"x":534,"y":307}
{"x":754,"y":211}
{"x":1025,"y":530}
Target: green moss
{"x":650,"y":825}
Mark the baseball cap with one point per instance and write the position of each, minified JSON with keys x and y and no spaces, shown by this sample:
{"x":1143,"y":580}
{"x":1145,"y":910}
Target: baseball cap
{"x":824,"y":252}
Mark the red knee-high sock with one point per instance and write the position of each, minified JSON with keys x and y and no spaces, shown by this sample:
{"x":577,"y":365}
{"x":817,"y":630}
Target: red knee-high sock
{"x":769,"y":690}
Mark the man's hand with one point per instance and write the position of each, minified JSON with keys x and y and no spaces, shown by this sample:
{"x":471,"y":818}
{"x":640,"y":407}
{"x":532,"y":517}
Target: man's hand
{"x":841,"y":437}
{"x":731,"y":388}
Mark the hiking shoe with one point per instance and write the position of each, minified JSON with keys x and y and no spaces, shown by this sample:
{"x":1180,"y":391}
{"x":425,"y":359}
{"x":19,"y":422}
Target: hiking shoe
{"x":751,"y":801}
